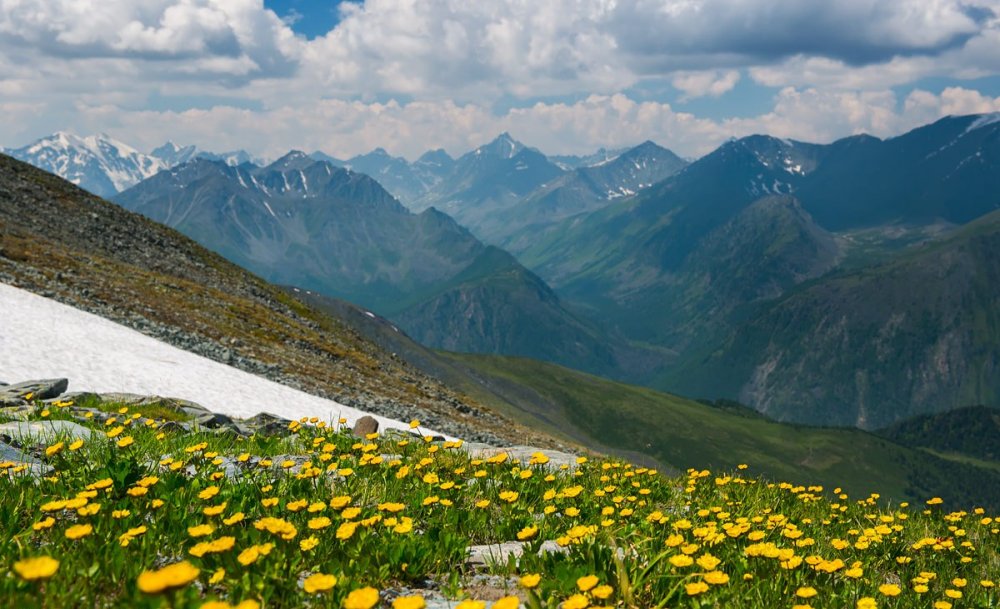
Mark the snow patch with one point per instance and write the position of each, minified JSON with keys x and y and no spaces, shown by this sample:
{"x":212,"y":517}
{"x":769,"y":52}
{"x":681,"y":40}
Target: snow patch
{"x":983,"y":121}
{"x":41,"y":338}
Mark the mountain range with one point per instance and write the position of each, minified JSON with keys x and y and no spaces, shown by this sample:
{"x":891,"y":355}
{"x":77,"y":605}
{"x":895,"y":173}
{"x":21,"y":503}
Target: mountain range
{"x":106,"y":166}
{"x":774,"y":272}
{"x":789,"y":242}
{"x":311,"y":224}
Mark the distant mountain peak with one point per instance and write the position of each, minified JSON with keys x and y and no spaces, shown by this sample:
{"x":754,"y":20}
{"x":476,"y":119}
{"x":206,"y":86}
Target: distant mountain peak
{"x":292,"y":159}
{"x":503,"y":146}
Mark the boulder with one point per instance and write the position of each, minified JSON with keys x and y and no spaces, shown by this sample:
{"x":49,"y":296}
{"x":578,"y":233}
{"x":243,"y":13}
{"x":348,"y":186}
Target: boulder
{"x":364,"y":426}
{"x":39,"y":389}
{"x":501,"y":553}
{"x":267,"y":424}
{"x":9,"y":454}
{"x":44,"y":432}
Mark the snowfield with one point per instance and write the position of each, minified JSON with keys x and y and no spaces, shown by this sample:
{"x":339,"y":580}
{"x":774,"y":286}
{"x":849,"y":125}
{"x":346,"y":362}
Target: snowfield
{"x":41,"y":338}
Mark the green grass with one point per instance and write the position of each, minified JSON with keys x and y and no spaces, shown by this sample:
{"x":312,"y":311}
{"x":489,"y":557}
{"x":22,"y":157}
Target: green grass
{"x":682,"y":433}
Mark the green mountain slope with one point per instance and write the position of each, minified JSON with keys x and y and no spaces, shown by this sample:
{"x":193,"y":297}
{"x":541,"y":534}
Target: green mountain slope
{"x":682,"y":433}
{"x":918,"y":334}
{"x":972,"y":432}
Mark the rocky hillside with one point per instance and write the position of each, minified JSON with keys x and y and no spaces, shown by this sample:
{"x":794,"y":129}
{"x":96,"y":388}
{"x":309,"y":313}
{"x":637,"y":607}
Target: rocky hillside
{"x":62,"y":242}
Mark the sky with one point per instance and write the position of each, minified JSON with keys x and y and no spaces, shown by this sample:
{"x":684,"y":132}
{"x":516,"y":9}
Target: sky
{"x":565,"y":76}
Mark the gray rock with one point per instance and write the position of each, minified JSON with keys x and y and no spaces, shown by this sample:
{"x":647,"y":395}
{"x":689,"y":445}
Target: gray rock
{"x":11,"y":454}
{"x":364,"y":426}
{"x":266,"y":424}
{"x":211,"y":420}
{"x":501,"y":553}
{"x":40,"y":389}
{"x":44,"y":432}
{"x":521,"y":453}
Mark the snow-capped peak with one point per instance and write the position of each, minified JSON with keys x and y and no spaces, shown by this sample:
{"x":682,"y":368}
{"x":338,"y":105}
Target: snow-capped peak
{"x":98,"y":163}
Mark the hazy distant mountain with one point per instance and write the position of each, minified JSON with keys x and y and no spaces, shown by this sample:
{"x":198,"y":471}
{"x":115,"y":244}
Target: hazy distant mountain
{"x":584,"y":189}
{"x":303,"y":222}
{"x":407,"y":182}
{"x":571,"y":161}
{"x":487,"y":181}
{"x":97,"y":163}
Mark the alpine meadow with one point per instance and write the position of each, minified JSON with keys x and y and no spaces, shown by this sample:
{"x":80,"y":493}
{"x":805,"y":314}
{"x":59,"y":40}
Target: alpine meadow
{"x":569,"y":304}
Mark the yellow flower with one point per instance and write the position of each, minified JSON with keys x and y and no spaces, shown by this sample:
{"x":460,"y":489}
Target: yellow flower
{"x":172,"y":576}
{"x":214,"y":510}
{"x":217,"y":576}
{"x":201,"y":530}
{"x":77,"y":445}
{"x":708,"y":562}
{"x":806,"y":592}
{"x":237,"y":517}
{"x":602,"y":592}
{"x":39,"y":567}
{"x":586,"y":582}
{"x":695,"y":588}
{"x":409,"y":602}
{"x":889,"y":589}
{"x":208,"y":493}
{"x":345,"y":530}
{"x":681,"y":560}
{"x":308,"y":543}
{"x":276,"y":526}
{"x":79,"y":530}
{"x":350,"y":513}
{"x":867,"y":602}
{"x":319,"y":523}
{"x":54,"y":449}
{"x":362,"y":598}
{"x":507,"y":602}
{"x":577,"y":601}
{"x":45,"y":523}
{"x":716,"y":578}
{"x":530,"y":580}
{"x":942,"y":605}
{"x":319,"y":582}
{"x":216,"y":546}
{"x":527,"y":533}
{"x":471,"y":604}
{"x":953,"y":593}
{"x":126,"y":441}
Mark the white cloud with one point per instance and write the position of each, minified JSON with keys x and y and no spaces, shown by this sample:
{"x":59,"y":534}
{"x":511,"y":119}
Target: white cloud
{"x":114,"y":65}
{"x":712,"y":83}
{"x":180,"y":35}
